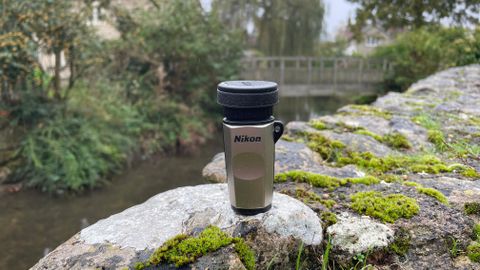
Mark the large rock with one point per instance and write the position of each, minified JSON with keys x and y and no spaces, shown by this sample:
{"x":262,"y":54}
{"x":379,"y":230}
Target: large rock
{"x":353,"y":235}
{"x":130,"y":236}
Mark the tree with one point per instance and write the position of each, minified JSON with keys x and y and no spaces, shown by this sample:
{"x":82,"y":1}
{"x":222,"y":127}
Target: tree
{"x":290,"y":27}
{"x":413,"y":14}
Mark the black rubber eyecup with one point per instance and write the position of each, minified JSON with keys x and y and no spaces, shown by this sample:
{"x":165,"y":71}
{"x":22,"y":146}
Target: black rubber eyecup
{"x":247,"y":100}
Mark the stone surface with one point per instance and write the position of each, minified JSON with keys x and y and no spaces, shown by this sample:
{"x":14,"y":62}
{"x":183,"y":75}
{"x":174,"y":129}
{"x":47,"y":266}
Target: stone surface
{"x":121,"y":239}
{"x":288,"y":156}
{"x":353,"y":235}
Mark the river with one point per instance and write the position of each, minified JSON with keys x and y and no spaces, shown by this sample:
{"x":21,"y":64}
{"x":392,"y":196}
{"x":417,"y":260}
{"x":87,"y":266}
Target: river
{"x":33,"y":223}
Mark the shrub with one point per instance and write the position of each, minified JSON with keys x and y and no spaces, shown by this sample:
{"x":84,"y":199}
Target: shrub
{"x":417,"y":54}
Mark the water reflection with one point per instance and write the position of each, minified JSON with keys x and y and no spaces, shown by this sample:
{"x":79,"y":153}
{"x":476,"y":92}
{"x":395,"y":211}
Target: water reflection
{"x":305,"y":108}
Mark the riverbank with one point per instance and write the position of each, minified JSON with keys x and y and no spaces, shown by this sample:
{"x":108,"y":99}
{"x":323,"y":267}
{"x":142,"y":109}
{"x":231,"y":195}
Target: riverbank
{"x":409,"y":162}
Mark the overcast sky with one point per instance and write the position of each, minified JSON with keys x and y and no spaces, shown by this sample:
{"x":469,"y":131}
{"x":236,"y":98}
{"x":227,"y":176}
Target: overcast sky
{"x":337,"y":13}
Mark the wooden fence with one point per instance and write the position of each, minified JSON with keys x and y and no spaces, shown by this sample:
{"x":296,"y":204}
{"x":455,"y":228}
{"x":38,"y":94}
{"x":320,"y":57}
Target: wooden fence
{"x":315,"y":70}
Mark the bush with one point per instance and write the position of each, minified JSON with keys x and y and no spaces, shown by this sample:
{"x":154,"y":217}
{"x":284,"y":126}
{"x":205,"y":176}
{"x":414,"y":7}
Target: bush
{"x":79,"y":145}
{"x":417,"y":54}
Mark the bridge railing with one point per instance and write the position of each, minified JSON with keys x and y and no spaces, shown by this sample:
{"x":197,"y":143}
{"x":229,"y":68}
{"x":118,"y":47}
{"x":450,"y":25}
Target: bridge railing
{"x":315,"y":70}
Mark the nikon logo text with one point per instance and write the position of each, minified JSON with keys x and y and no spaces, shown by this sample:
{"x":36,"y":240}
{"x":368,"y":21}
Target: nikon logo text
{"x":245,"y":138}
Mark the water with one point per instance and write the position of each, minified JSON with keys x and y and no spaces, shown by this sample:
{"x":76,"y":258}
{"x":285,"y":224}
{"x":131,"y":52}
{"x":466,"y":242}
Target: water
{"x":32,"y":223}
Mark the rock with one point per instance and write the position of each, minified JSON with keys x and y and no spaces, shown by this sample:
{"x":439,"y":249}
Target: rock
{"x":359,"y":143}
{"x":132,"y":235}
{"x":288,"y":156}
{"x":353,"y":235}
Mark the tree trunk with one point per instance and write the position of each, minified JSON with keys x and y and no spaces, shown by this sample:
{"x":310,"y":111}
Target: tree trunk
{"x":57,"y":79}
{"x":71,"y":80}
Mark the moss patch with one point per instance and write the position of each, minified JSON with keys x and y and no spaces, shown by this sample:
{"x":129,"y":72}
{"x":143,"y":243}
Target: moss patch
{"x":388,"y":208}
{"x":415,"y":163}
{"x":328,"y":218}
{"x":433,"y":193}
{"x":323,"y":181}
{"x":396,"y":140}
{"x":184,"y":249}
{"x":473,"y":252}
{"x":369,"y":110}
{"x":428,"y":191}
{"x":370,"y":134}
{"x":328,"y":149}
{"x":401,"y":244}
{"x":309,"y":196}
{"x":317,"y":124}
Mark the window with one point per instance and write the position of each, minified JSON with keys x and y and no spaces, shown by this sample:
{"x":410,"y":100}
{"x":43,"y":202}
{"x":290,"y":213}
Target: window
{"x":372,"y":41}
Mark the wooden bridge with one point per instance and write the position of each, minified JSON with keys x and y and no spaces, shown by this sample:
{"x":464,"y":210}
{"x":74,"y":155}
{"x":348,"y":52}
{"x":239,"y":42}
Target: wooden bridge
{"x":318,"y":76}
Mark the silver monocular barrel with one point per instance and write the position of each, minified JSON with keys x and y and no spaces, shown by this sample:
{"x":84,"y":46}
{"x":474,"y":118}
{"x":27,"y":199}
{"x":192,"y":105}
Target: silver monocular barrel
{"x":249,"y":132}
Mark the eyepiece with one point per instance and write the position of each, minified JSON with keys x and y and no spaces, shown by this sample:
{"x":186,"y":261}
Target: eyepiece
{"x":247,"y":100}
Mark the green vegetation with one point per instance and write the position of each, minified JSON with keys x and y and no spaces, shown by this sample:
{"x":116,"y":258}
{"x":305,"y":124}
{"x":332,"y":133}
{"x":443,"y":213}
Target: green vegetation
{"x":299,"y":256}
{"x":370,"y":110}
{"x":146,"y":92}
{"x":401,"y":244}
{"x":326,"y":254}
{"x":318,"y":124}
{"x":396,"y":140}
{"x":428,"y":191}
{"x":309,"y":196}
{"x":387,"y":208}
{"x":370,"y":134}
{"x":328,"y":149}
{"x":413,"y":14}
{"x":473,"y":252}
{"x":414,"y":163}
{"x":183,"y":249}
{"x":328,"y":218}
{"x":419,"y":53}
{"x":476,"y":231}
{"x":323,"y":181}
{"x":454,"y":251}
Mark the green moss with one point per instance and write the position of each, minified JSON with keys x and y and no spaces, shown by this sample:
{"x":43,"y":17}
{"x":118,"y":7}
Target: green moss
{"x":426,"y":121}
{"x":390,"y":178}
{"x":388,"y":208}
{"x":416,"y":164}
{"x":411,"y":184}
{"x":437,"y":138}
{"x":369,"y":110}
{"x":309,"y":196}
{"x":245,"y":253}
{"x":476,"y":231}
{"x":328,"y":149}
{"x":370,"y":134}
{"x":473,"y":252}
{"x":428,"y":191}
{"x":397,"y":140}
{"x":328,"y":218}
{"x":401,"y":243}
{"x":323,"y":181}
{"x":183,"y":249}
{"x":287,"y":138}
{"x":470,"y":172}
{"x":472,"y":208}
{"x":433,"y":193}
{"x":317,"y":124}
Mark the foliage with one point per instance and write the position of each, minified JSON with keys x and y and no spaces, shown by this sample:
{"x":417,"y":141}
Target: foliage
{"x":183,"y":249}
{"x":417,"y":54}
{"x":279,"y":26}
{"x":412,"y":14}
{"x":473,"y":252}
{"x":472,"y":208}
{"x":388,"y":208}
{"x":181,"y":56}
{"x":401,"y":243}
{"x":76,"y":149}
